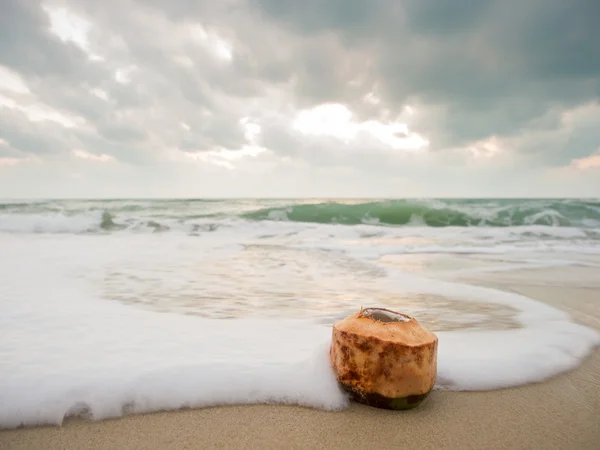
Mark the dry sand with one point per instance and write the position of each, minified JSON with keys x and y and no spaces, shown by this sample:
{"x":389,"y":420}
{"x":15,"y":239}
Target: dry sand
{"x":561,"y":413}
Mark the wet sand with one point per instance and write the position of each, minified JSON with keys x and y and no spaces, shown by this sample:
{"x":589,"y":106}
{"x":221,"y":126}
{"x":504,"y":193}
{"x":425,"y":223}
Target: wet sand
{"x":561,"y":413}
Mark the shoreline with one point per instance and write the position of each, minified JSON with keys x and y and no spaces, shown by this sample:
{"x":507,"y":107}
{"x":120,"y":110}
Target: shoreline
{"x":560,"y":412}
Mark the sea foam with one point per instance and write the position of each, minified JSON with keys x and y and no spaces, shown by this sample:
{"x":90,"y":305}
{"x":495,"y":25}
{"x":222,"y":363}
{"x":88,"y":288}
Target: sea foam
{"x":67,"y":351}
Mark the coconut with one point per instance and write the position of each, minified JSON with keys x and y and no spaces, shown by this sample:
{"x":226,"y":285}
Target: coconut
{"x":384,"y":358}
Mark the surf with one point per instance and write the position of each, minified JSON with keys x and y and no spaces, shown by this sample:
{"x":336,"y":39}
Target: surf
{"x":89,"y":216}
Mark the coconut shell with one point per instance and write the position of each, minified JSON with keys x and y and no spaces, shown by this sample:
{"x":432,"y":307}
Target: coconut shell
{"x":384,"y":358}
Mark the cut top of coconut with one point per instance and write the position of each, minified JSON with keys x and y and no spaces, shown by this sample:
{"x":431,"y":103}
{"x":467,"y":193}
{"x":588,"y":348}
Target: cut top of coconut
{"x":386,"y":325}
{"x":384,"y":315}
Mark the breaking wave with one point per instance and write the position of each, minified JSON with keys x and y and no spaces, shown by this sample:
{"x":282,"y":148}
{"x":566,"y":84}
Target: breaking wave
{"x":439,"y":213}
{"x":162,"y":215}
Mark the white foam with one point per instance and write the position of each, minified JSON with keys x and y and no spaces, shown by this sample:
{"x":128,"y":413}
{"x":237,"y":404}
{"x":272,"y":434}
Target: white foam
{"x":202,"y":380}
{"x":279,"y":214}
{"x":475,"y":361}
{"x":50,"y":222}
{"x":65,"y":351}
{"x":549,"y":216}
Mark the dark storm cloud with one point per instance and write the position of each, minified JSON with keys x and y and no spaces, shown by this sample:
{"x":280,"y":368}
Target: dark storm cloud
{"x":27,"y":45}
{"x":574,"y":137}
{"x":494,"y":65}
{"x":74,"y":98}
{"x":6,"y":151}
{"x":353,"y":18}
{"x":31,"y":138}
{"x":119,"y":132}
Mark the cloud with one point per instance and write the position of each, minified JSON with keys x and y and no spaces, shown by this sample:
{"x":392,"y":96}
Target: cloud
{"x":31,"y":137}
{"x":489,"y":68}
{"x":91,"y":157}
{"x":409,"y":95}
{"x":571,"y":133}
{"x":587,"y":163}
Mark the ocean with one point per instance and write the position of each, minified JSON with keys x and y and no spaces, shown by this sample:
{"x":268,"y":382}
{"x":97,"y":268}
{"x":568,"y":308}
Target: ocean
{"x":113,"y":307}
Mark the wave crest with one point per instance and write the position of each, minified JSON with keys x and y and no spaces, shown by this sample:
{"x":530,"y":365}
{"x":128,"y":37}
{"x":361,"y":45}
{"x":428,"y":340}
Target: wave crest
{"x":439,"y":213}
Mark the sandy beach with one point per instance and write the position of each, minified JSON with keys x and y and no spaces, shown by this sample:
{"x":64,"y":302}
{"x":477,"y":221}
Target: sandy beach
{"x":560,"y":413}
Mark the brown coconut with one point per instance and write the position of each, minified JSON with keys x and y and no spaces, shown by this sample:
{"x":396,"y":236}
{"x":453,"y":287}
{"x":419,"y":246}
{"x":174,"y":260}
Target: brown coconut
{"x":384,"y":358}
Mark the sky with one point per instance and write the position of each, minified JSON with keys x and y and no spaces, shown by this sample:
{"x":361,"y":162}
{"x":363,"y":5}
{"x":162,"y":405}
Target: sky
{"x":280,"y":98}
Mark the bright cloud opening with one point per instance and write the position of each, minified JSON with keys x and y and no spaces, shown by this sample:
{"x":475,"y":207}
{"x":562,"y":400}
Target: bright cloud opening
{"x":12,"y":81}
{"x":337,"y":120}
{"x":251,"y":129}
{"x":70,"y":27}
{"x":123,"y":75}
{"x":372,"y":99}
{"x":91,"y":157}
{"x":485,"y":149}
{"x":226,"y":158}
{"x":100,"y":94}
{"x":591,"y":162}
{"x":39,"y":112}
{"x":220,"y":48}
